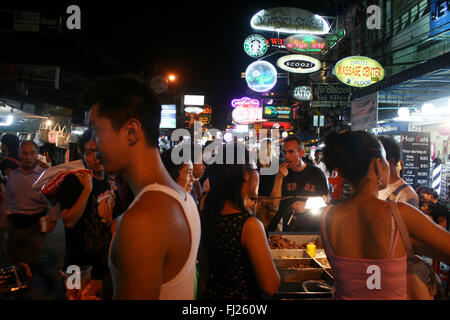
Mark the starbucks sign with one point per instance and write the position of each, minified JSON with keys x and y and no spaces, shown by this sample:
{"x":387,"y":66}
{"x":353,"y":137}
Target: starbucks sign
{"x":255,"y":45}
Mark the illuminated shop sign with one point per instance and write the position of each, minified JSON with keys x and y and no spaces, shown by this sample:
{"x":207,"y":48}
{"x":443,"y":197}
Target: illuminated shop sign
{"x":289,"y":20}
{"x":193,"y":109}
{"x":243,"y":115}
{"x":168,"y":116}
{"x":261,"y":76}
{"x":300,"y":43}
{"x":194,"y":100}
{"x":207,"y":110}
{"x":245,"y":102}
{"x":204,"y":119}
{"x":298,"y":63}
{"x":276,"y":125}
{"x":302,"y":93}
{"x":279,"y":113}
{"x":276,"y":42}
{"x":357,"y":71}
{"x":255,"y":45}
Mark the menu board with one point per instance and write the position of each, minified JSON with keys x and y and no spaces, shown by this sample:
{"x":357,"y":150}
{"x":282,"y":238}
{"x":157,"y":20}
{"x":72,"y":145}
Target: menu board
{"x":415,"y":149}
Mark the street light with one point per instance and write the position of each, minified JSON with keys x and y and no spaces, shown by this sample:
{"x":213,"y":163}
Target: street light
{"x":171,"y":77}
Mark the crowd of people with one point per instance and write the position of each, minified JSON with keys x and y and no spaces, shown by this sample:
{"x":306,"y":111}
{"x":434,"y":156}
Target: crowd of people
{"x":154,"y":229}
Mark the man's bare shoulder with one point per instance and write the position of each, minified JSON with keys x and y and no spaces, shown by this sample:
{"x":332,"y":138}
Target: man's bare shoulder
{"x":153,"y":208}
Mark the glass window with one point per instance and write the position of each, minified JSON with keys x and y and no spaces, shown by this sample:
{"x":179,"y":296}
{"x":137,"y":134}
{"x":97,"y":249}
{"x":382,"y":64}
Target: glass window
{"x":423,"y":8}
{"x":396,"y":25}
{"x":405,"y":20}
{"x":414,"y":13}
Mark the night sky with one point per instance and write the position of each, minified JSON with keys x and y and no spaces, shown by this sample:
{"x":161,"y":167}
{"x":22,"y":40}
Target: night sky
{"x":201,"y":43}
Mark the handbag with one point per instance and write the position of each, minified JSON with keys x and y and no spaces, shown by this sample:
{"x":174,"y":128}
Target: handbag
{"x":63,"y":139}
{"x":422,"y":280}
{"x":43,"y":133}
{"x":53,"y":134}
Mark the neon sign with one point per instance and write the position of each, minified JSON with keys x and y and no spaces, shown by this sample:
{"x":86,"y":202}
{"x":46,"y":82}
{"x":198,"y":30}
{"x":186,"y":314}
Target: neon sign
{"x":255,"y":45}
{"x":289,"y":20}
{"x":243,"y":115}
{"x":301,"y":43}
{"x":245,"y":102}
{"x":279,"y":113}
{"x":302,"y":93}
{"x":298,"y":63}
{"x":261,"y":76}
{"x":357,"y":71}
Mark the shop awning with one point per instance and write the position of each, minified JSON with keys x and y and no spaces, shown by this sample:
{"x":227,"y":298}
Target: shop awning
{"x":424,"y":82}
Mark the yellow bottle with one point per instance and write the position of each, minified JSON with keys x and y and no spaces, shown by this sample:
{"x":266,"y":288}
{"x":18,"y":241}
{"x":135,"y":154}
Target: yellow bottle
{"x":311,"y":249}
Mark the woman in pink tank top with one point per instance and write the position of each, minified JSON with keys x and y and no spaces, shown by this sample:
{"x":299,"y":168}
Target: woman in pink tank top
{"x":360,"y":236}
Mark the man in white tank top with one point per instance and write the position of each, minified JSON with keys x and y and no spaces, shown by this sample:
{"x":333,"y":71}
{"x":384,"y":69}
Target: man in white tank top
{"x":397,"y":189}
{"x":153,"y":252}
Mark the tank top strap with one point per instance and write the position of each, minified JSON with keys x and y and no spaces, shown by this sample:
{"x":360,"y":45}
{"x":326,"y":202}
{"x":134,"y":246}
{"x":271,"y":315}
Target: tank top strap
{"x":324,"y":230}
{"x":395,"y":233}
{"x":159,"y":187}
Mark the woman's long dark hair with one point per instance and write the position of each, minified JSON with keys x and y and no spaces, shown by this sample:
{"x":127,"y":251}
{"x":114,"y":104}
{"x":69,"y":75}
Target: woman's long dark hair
{"x":226,"y":181}
{"x":351,"y":152}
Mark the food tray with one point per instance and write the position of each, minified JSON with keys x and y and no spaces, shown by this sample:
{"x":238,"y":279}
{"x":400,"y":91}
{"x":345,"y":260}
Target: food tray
{"x":289,"y":253}
{"x":295,"y":270}
{"x":294,"y":241}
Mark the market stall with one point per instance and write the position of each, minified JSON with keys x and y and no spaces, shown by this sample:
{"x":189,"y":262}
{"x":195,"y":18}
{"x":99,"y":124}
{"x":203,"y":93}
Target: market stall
{"x":298,"y":255}
{"x":303,"y":266}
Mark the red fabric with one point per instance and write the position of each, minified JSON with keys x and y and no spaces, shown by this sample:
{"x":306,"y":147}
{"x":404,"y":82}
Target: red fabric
{"x":50,"y":190}
{"x":336,"y":185}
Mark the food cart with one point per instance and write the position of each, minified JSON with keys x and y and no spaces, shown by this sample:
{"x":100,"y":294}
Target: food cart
{"x":303,"y":276}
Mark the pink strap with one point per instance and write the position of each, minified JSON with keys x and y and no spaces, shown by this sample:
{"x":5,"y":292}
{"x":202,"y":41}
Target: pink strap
{"x":324,"y":231}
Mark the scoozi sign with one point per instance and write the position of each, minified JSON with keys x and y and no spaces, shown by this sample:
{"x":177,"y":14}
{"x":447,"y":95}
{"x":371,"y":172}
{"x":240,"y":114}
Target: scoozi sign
{"x":298,"y":63}
{"x":301,"y":43}
{"x":289,"y":20}
{"x":358,"y":71}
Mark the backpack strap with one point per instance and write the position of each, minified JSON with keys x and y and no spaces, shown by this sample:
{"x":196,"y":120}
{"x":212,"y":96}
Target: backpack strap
{"x":394,"y":194}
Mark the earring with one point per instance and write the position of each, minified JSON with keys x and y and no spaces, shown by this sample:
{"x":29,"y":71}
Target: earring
{"x":380,"y":181}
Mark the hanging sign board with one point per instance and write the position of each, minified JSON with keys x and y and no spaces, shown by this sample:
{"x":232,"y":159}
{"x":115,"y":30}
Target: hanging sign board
{"x":415,"y":147}
{"x":277,"y":113}
{"x":332,"y":92}
{"x":365,"y":112}
{"x":357,"y":71}
{"x":243,"y":115}
{"x":298,"y":63}
{"x":302,"y":43}
{"x":276,"y":125}
{"x":302,"y":93}
{"x":289,"y":20}
{"x":255,"y":45}
{"x":261,"y":76}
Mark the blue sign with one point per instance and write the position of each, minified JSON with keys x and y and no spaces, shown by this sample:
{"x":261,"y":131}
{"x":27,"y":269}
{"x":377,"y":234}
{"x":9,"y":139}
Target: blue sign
{"x":439,"y":16}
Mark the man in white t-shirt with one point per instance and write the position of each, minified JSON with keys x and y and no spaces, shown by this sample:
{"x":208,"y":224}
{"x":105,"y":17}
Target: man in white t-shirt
{"x":397,"y":190}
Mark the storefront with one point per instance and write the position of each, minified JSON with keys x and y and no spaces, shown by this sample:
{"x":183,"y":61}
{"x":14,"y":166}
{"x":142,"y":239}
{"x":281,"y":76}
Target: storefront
{"x":416,"y":102}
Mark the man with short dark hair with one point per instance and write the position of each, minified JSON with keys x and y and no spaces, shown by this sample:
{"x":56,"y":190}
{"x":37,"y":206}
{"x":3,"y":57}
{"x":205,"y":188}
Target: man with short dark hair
{"x":29,"y":220}
{"x":298,"y":180}
{"x":26,"y":208}
{"x":146,"y":260}
{"x":89,"y":206}
{"x":397,"y":190}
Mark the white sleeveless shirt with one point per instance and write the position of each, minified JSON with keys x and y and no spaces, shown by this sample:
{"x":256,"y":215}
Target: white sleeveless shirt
{"x":180,"y":287}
